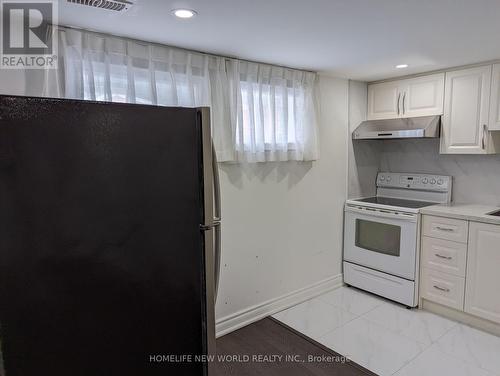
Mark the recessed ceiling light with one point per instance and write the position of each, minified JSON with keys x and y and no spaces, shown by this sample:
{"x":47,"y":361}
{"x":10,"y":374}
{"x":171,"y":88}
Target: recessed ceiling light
{"x":184,"y":13}
{"x":402,"y":66}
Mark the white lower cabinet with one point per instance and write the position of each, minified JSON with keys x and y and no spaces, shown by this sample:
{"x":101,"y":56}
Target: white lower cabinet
{"x":482,"y":297}
{"x":443,"y":288}
{"x":463,"y":275}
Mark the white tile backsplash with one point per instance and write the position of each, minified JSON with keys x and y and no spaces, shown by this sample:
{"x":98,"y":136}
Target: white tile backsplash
{"x":476,"y":178}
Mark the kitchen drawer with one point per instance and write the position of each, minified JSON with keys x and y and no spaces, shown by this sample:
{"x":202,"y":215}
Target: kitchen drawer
{"x":444,"y":256}
{"x":442,"y":288}
{"x":395,"y":288}
{"x":446,"y":228}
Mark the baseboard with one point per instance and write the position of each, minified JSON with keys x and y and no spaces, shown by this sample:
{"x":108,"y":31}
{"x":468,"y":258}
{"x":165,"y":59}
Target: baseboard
{"x":250,"y":315}
{"x":464,"y":318}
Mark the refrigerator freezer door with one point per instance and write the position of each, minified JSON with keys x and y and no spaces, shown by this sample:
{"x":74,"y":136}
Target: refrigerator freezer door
{"x":208,"y":228}
{"x":102,"y":261}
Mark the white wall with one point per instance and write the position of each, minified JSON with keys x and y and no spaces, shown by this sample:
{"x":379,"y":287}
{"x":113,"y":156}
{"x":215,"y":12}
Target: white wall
{"x":12,"y":81}
{"x":364,"y":157}
{"x":282,"y":222}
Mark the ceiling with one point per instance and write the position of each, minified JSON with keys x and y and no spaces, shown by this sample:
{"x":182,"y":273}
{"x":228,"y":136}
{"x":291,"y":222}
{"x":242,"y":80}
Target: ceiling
{"x":357,"y":39}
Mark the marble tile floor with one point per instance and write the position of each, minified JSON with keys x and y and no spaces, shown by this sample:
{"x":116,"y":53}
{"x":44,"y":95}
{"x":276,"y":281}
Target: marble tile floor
{"x":389,"y":339}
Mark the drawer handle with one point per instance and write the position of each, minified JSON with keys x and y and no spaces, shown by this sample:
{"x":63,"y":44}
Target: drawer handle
{"x":444,"y":229}
{"x":443,"y":257}
{"x":441,"y":288}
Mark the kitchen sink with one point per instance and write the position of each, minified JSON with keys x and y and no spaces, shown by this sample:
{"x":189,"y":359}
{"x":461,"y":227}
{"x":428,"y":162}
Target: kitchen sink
{"x":495,"y":213}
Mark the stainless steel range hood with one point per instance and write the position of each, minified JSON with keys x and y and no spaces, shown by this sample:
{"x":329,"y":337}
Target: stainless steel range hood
{"x":417,"y":127}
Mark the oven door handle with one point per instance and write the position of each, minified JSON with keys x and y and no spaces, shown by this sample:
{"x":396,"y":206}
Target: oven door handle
{"x":381,"y":213}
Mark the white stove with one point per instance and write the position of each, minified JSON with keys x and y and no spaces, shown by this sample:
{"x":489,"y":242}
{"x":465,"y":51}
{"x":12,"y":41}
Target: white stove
{"x":381,"y":234}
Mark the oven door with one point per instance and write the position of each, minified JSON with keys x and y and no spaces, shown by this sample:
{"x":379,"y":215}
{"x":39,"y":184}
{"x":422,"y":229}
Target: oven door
{"x":381,"y":239}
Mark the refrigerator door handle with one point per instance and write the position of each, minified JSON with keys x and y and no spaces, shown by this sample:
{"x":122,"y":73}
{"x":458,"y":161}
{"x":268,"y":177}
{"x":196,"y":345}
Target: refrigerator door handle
{"x":215,"y":168}
{"x":217,"y":237}
{"x":217,"y":219}
{"x":210,"y":226}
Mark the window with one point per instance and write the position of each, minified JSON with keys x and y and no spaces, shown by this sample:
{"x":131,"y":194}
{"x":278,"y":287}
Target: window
{"x":163,"y":90}
{"x":265,"y":111}
{"x":275,"y":113}
{"x":259,"y":112}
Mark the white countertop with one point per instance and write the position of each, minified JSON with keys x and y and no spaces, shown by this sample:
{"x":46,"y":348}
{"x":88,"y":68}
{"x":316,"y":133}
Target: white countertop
{"x":470,"y":212}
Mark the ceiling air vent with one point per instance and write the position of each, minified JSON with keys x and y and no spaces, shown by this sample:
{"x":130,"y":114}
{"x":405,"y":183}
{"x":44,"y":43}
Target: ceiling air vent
{"x":116,"y":5}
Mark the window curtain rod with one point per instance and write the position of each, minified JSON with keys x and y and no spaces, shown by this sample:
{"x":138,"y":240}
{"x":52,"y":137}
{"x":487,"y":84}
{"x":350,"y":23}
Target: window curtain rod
{"x":183,"y":49}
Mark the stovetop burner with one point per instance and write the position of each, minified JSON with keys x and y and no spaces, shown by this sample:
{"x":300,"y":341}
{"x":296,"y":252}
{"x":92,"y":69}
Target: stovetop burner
{"x":411,"y":204}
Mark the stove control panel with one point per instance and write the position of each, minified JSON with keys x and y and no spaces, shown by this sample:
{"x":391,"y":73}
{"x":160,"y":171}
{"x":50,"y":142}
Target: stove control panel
{"x":414,"y":181}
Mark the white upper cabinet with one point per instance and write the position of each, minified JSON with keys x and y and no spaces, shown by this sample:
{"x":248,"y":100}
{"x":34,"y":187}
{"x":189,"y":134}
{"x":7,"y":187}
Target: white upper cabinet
{"x":466,"y":112}
{"x":483,"y":279}
{"x":495,"y":99}
{"x":383,"y":101}
{"x":421,"y":96}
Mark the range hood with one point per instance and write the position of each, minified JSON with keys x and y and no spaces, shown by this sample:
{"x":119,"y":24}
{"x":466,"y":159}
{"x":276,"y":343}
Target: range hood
{"x":417,"y":127}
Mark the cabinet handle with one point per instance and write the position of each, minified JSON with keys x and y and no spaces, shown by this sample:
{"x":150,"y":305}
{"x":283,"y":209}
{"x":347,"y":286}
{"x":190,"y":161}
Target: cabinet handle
{"x":485,"y":128}
{"x":404,"y":99}
{"x":444,"y":229}
{"x":441,"y":289}
{"x":399,"y":100}
{"x":443,"y":257}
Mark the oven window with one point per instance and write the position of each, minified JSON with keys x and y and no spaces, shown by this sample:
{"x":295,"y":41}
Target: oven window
{"x":378,"y":237}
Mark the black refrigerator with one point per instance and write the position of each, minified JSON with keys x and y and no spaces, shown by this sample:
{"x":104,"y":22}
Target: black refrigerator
{"x":109,"y":238}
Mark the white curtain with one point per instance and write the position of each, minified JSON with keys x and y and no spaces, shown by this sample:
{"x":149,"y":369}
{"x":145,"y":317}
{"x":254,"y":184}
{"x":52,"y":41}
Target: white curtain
{"x":259,"y":112}
{"x":275,"y":112}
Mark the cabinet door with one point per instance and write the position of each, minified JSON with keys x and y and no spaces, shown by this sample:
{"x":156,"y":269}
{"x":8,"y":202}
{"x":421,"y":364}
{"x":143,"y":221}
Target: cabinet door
{"x":383,"y":101}
{"x":483,"y":278}
{"x":495,"y":99}
{"x":423,"y":96}
{"x":466,"y":111}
